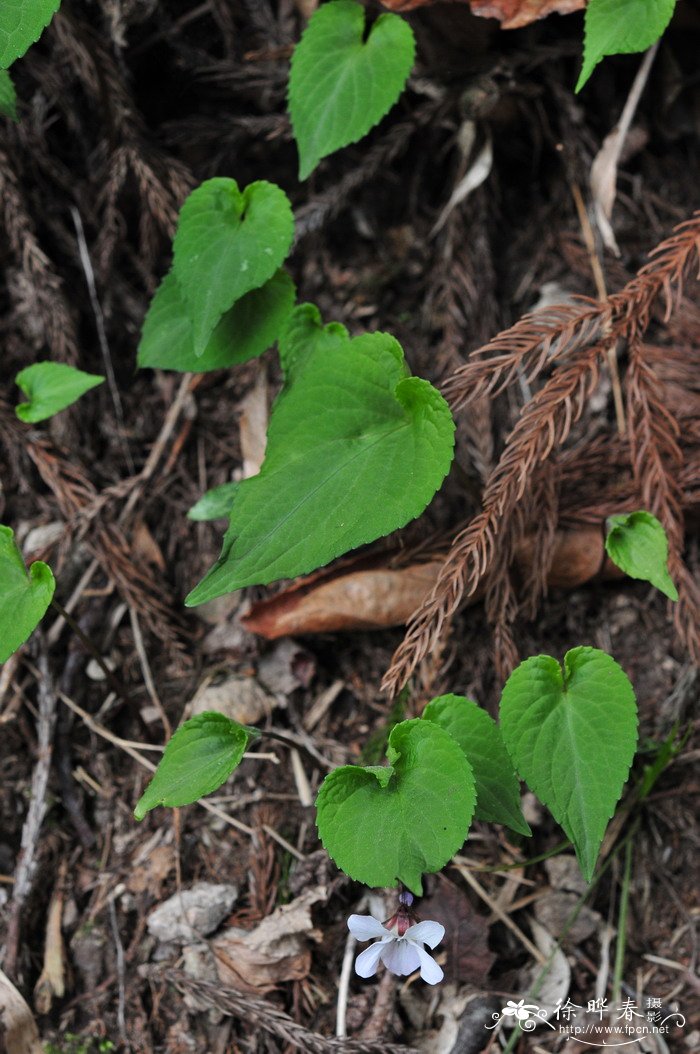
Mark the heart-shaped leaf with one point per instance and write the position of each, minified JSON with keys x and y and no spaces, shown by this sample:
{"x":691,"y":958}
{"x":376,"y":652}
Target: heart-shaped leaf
{"x":637,"y":543}
{"x":355,"y":449}
{"x":199,"y":757}
{"x":620,"y":27}
{"x":497,"y":786}
{"x":8,"y":98}
{"x":21,"y":24}
{"x":51,"y":387}
{"x":384,"y":825}
{"x":246,"y":330}
{"x":342,"y":84}
{"x":228,"y":242}
{"x":24,"y":597}
{"x":572,"y":737}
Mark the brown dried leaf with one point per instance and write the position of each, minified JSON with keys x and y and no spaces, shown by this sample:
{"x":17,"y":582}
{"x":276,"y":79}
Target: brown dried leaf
{"x":469,"y":957}
{"x":276,"y":950}
{"x":145,"y":546}
{"x":511,"y":13}
{"x":253,"y":426}
{"x":357,"y":595}
{"x":372,"y":598}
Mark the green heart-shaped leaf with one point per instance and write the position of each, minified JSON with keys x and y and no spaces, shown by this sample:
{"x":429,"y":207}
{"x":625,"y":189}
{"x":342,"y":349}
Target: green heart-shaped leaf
{"x":497,"y":786}
{"x":621,"y":27}
{"x":228,"y":242}
{"x":572,"y":737}
{"x":24,"y":597}
{"x":199,"y":757}
{"x":21,"y":24}
{"x":340,"y":84}
{"x":355,"y":449}
{"x":51,"y":387}
{"x":246,"y":330}
{"x":637,"y":543}
{"x":384,"y":825}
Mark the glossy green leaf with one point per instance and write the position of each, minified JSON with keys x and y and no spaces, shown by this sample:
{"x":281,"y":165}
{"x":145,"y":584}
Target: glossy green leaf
{"x":8,"y":99}
{"x":228,"y":242}
{"x":497,"y":786}
{"x":572,"y":735}
{"x":21,"y":24}
{"x":621,"y":27}
{"x":215,"y":504}
{"x":637,"y":543}
{"x":340,"y":83}
{"x":355,"y":449}
{"x":50,"y":387}
{"x":246,"y":330}
{"x":200,"y":756}
{"x":389,"y":824}
{"x":24,"y":596}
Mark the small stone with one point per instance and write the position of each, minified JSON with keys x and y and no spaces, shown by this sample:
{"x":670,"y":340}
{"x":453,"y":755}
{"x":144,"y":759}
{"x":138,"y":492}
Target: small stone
{"x":239,"y":698}
{"x":192,"y":914}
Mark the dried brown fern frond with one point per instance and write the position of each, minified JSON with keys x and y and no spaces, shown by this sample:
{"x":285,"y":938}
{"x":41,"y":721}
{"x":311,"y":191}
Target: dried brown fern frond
{"x":501,"y":600}
{"x":545,"y":422}
{"x":542,"y":516}
{"x":575,"y":338}
{"x":107,"y":543}
{"x":656,"y":460}
{"x":37,"y":291}
{"x":560,"y":331}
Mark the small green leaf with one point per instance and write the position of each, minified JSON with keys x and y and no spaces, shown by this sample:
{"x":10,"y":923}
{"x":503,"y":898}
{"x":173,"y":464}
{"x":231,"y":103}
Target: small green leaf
{"x":621,"y":27}
{"x":199,"y":757}
{"x":21,"y":24}
{"x":340,"y":84}
{"x":337,"y":473}
{"x":572,"y":737}
{"x":8,"y":99}
{"x":246,"y":330}
{"x":383,"y":825}
{"x":227,"y":243}
{"x":637,"y":543}
{"x":24,"y":597}
{"x":215,"y":504}
{"x":51,"y":387}
{"x":497,"y":786}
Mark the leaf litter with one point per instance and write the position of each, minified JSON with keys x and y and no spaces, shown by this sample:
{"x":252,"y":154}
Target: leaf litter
{"x":512,"y":235}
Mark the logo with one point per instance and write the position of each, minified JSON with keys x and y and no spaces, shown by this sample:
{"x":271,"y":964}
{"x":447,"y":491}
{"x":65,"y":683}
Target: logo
{"x":597,"y":1024}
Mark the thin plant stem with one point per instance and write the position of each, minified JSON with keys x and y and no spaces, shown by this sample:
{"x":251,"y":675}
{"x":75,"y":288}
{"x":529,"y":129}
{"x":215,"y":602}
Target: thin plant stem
{"x":601,"y":290}
{"x":622,"y":924}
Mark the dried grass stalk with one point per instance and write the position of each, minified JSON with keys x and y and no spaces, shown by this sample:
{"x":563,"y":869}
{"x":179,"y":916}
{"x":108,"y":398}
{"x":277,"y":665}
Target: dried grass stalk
{"x":576,"y":339}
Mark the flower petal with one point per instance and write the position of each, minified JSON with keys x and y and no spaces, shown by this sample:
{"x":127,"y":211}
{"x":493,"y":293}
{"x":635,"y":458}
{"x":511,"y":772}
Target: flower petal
{"x":367,"y":961}
{"x":365,"y":927}
{"x":430,"y":933}
{"x":430,"y":971}
{"x":400,"y":956}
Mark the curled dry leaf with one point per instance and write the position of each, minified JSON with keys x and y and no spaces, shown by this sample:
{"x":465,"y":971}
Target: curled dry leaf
{"x":512,"y":14}
{"x":365,"y":594}
{"x":276,"y":950}
{"x":352,"y":596}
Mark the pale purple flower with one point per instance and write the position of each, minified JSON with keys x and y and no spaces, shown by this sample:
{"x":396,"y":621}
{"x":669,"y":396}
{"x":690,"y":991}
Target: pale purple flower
{"x":400,"y":947}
